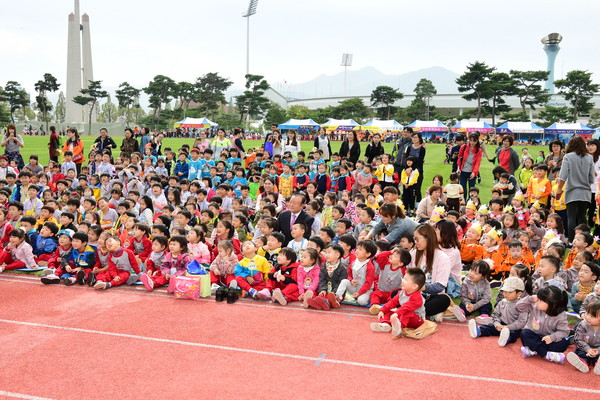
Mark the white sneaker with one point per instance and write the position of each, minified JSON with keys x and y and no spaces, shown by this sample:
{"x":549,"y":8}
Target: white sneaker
{"x":396,"y":326}
{"x":439,"y":318}
{"x":48,"y":271}
{"x":1,"y":270}
{"x":213,"y":288}
{"x":597,"y":368}
{"x":100,"y":285}
{"x":50,"y":279}
{"x":484,"y":320}
{"x":578,"y":363}
{"x":459,"y":314}
{"x":504,"y":336}
{"x":380,"y":327}
{"x":279,"y":297}
{"x":555,"y":357}
{"x":133,"y":278}
{"x":305,"y":300}
{"x":473,"y":329}
{"x":526,"y":352}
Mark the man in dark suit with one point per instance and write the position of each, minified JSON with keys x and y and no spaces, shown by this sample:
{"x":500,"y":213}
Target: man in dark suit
{"x":293,"y":214}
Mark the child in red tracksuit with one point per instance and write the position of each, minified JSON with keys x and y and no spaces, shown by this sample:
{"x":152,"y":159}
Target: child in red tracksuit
{"x":102,"y":254}
{"x":410,"y":306}
{"x":140,"y":244}
{"x":78,"y":265}
{"x":176,"y":261}
{"x":62,"y":253}
{"x":392,"y":265}
{"x":223,"y":266}
{"x":121,"y":264}
{"x":5,"y":227}
{"x":282,"y":285}
{"x":153,"y":277}
{"x":361,"y":275}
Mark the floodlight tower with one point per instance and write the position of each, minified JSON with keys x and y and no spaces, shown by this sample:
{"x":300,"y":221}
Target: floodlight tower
{"x":346,"y":62}
{"x":247,"y":14}
{"x":551,"y":48}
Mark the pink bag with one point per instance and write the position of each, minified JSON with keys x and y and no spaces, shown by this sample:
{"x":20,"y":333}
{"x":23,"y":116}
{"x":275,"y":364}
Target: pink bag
{"x":187,"y":287}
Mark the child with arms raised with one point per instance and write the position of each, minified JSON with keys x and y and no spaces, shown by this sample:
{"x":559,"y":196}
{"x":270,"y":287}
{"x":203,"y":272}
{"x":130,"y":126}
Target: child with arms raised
{"x":409,"y":304}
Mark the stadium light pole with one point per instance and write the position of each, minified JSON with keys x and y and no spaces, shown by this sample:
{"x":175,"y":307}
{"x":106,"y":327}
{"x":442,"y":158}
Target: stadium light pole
{"x":247,"y":14}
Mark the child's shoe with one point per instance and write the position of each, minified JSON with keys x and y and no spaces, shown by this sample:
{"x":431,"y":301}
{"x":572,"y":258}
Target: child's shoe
{"x":232,"y":296}
{"x":91,"y":279}
{"x":221,"y":294}
{"x":48,"y":271}
{"x":333,"y":301}
{"x":307,"y":295}
{"x":526,"y":352}
{"x":459,"y":313}
{"x":555,"y":357}
{"x":312,"y":302}
{"x":504,"y":336}
{"x":438,"y":318}
{"x":171,"y":287}
{"x":380,"y":327}
{"x":133,"y":278}
{"x":101,"y":285}
{"x":484,"y":319}
{"x":324,"y":303}
{"x":396,"y":326}
{"x":374,"y":309}
{"x":148,"y":283}
{"x":213,"y":289}
{"x":50,"y":279}
{"x":264,"y":294}
{"x":80,"y":277}
{"x":474,"y":329}
{"x":597,"y":368}
{"x":279,"y":297}
{"x":250,"y":293}
{"x":578,"y":362}
{"x":69,"y":280}
{"x":348,"y":298}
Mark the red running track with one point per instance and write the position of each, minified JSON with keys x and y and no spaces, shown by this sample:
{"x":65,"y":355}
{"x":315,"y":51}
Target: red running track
{"x":77,"y":343}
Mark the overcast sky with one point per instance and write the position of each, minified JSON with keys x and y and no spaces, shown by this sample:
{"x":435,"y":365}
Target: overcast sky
{"x":293,"y":41}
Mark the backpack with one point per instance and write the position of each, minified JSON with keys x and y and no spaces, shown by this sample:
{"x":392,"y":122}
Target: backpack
{"x":427,"y":328}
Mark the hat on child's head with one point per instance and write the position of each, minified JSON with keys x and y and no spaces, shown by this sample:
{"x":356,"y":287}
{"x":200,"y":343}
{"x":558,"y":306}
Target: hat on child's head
{"x":477,"y":228}
{"x":513,"y":283}
{"x":483,"y":210}
{"x":549,"y":235}
{"x":494,"y":234}
{"x":437,"y":214}
{"x":508,"y":209}
{"x":471,"y":206}
{"x":68,"y":232}
{"x":520,"y":197}
{"x":537,"y":205}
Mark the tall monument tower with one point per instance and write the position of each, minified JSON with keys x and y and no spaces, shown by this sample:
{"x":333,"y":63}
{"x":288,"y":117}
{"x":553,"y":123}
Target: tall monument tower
{"x":551,"y":48}
{"x":78,"y":74}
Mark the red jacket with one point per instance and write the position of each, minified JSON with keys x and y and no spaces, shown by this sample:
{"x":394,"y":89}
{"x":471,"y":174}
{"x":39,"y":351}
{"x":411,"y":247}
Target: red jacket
{"x":143,"y":255}
{"x":414,"y":303}
{"x":131,"y":258}
{"x":5,"y":231}
{"x":290,"y":273}
{"x":369,"y":278}
{"x":55,"y":260}
{"x":463,"y":154}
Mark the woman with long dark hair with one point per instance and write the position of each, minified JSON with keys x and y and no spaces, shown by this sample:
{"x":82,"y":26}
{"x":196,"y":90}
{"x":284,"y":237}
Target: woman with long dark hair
{"x":351,"y":147}
{"x":292,"y":144}
{"x":129,"y":145}
{"x":323,"y":143}
{"x":75,"y":145}
{"x":593,"y":147}
{"x":374,"y":149}
{"x":269,"y":187}
{"x":13,"y":144}
{"x":469,"y":159}
{"x":577,"y":171}
{"x":417,"y":150}
{"x":54,"y":144}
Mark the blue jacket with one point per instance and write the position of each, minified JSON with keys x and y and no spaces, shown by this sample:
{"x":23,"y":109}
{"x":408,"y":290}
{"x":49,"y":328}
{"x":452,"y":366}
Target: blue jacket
{"x":45,"y":245}
{"x":181,"y":167}
{"x":85,"y":259}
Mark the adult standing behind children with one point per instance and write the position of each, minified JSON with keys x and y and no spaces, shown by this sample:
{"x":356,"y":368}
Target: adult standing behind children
{"x":417,"y":150}
{"x":75,"y":145}
{"x":219,"y":144}
{"x":292,"y":144}
{"x":578,"y":172}
{"x":401,"y":147}
{"x":13,"y":143}
{"x":351,"y":147}
{"x":469,"y":159}
{"x":374,"y":149}
{"x":129,"y":145}
{"x":507,"y":156}
{"x":104,"y":142}
{"x":323,"y":143}
{"x":54,"y":144}
{"x":294,"y":214}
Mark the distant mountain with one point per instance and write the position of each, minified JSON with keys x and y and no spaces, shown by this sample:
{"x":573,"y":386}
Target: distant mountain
{"x":362,"y":82}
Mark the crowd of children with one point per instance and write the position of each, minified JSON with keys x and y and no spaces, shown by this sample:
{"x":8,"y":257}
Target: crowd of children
{"x":145,"y":217}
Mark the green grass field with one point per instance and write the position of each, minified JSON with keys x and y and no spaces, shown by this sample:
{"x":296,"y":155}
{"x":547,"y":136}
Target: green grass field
{"x":434,"y":159}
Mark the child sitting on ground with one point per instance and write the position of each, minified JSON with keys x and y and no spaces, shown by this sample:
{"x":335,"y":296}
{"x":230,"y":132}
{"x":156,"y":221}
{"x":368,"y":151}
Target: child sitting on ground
{"x":282,"y":285}
{"x":475,"y":292}
{"x":223,"y":266}
{"x":251,"y":272}
{"x":507,"y":322}
{"x":546,"y":331}
{"x":409,"y":305}
{"x":308,"y":271}
{"x":587,"y":340}
{"x":594,"y":296}
{"x":588,"y":275}
{"x":548,"y":268}
{"x":331,"y":275}
{"x":390,"y":276}
{"x":361,"y":275}
{"x":155,"y":276}
{"x":18,"y":253}
{"x":121,"y":265}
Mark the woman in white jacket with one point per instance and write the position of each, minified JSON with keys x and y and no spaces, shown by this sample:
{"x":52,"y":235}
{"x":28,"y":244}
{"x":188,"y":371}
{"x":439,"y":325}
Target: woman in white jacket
{"x":292,"y":144}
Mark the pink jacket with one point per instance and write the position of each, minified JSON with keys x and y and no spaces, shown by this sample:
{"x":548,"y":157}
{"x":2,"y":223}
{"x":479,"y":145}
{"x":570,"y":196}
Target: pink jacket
{"x":308,"y":280}
{"x":24,"y":252}
{"x":199,"y":252}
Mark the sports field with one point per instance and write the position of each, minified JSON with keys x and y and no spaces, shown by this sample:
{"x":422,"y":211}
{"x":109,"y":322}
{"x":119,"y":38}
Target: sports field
{"x":75,"y":342}
{"x":434,"y":159}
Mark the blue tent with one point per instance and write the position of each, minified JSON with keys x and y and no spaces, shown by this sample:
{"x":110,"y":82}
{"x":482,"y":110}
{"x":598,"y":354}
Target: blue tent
{"x":299,"y":124}
{"x":565,"y":131}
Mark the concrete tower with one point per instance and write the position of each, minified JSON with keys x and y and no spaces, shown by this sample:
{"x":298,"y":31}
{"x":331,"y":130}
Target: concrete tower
{"x":551,"y":48}
{"x":78,"y":73}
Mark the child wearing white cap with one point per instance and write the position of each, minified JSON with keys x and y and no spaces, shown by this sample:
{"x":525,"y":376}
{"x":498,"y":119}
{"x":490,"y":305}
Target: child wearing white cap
{"x":507,"y":321}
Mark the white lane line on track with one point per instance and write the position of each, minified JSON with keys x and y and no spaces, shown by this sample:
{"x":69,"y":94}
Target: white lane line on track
{"x":21,"y":396}
{"x":305,"y":358}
